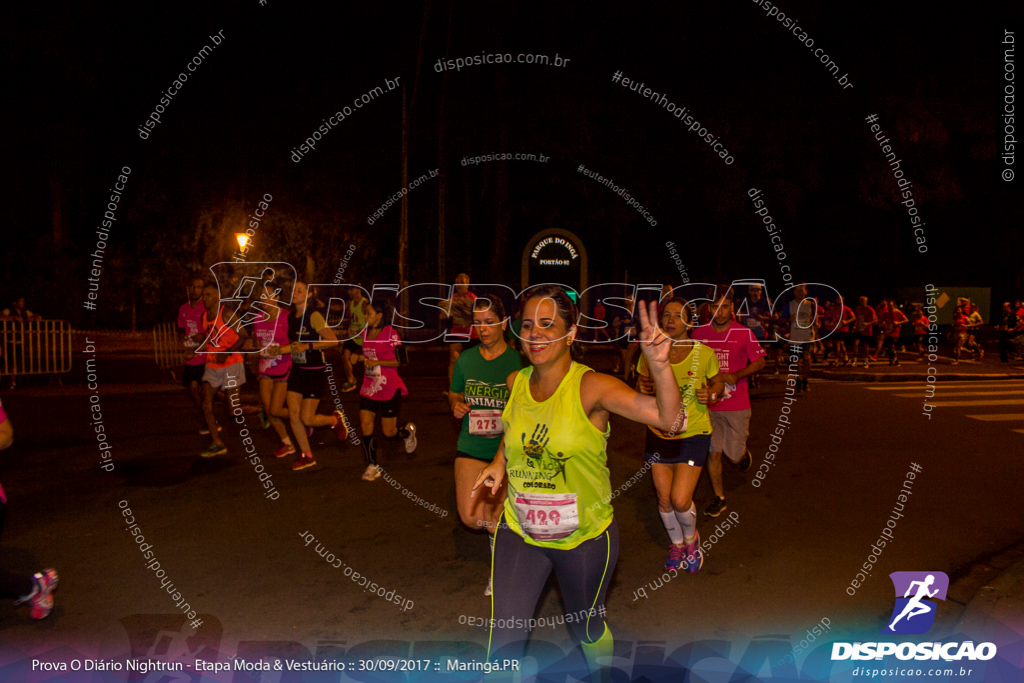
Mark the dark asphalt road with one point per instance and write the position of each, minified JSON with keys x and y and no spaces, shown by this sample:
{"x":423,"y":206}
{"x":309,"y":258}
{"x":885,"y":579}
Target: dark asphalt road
{"x":239,"y":560}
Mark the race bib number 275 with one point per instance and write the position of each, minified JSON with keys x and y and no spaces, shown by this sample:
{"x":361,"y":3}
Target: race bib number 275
{"x":485,"y":423}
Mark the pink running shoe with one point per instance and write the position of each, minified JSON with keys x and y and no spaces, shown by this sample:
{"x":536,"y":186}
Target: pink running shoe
{"x":303,"y":461}
{"x":694,"y":557}
{"x":675,"y":556}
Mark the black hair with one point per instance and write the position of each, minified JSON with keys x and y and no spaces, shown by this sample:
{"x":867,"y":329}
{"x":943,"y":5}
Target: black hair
{"x":483,"y":303}
{"x":384,"y":305}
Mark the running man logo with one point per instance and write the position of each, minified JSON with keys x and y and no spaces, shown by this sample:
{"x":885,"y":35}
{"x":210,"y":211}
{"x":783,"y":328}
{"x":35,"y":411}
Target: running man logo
{"x":249,"y":291}
{"x":915,"y":613}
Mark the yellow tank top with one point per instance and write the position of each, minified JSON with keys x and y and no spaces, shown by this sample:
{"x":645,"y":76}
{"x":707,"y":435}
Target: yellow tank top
{"x":556,"y":462}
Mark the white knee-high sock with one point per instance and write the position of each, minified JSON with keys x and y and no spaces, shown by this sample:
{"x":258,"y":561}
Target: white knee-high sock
{"x":675,"y":534}
{"x":688,"y":521}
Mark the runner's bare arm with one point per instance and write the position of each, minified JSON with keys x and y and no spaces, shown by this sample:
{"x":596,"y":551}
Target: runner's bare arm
{"x":611,"y":394}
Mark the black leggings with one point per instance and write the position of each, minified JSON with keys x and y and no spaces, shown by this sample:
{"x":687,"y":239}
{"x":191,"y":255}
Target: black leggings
{"x":520,"y":571}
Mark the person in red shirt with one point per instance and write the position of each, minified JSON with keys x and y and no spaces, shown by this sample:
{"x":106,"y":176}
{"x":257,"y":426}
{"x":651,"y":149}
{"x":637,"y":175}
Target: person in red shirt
{"x":960,"y":325}
{"x":975,"y":323}
{"x":1011,"y":332}
{"x":920,"y":322}
{"x":829,"y":328}
{"x":599,"y":314}
{"x":225,"y":370}
{"x":845,"y":331}
{"x":891,"y":321}
{"x":883,"y":308}
{"x":863,"y":327}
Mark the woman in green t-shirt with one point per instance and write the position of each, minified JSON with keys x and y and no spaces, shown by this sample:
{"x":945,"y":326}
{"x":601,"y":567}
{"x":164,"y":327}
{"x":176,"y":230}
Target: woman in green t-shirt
{"x":477,"y":397}
{"x":557,"y":514}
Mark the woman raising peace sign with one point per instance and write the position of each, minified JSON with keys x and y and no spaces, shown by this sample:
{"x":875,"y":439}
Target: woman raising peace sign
{"x":557,"y":514}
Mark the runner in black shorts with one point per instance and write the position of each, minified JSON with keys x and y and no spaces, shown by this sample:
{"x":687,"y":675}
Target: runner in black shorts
{"x":275,"y":365}
{"x":382,"y":387}
{"x":310,"y":335}
{"x":353,"y":346}
{"x":677,"y":456}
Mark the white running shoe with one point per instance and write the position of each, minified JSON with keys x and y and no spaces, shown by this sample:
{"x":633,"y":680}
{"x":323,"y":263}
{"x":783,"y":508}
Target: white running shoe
{"x":371,"y":473}
{"x":410,"y":441}
{"x":490,"y":587}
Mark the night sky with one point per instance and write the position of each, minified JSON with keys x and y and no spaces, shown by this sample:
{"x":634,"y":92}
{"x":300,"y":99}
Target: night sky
{"x":82,"y":77}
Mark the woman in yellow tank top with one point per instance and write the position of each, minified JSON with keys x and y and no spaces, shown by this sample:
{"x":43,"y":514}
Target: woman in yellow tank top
{"x":678,"y":456}
{"x":557,"y":514}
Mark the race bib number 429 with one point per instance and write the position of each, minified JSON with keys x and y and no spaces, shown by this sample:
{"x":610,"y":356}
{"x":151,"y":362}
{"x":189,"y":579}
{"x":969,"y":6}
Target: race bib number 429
{"x":547,"y":516}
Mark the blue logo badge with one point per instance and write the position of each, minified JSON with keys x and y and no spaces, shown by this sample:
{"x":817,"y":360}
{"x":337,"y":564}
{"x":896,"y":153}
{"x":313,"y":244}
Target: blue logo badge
{"x":915,"y":607}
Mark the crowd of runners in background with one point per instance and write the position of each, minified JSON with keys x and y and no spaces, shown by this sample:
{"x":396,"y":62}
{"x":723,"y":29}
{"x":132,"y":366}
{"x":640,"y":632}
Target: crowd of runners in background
{"x":840,"y":335}
{"x":285,"y":346}
{"x":530,"y":462}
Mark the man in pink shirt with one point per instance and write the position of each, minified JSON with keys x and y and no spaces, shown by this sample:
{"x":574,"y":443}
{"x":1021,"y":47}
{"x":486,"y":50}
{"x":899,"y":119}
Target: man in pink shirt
{"x":190,"y":323}
{"x":739,"y":356}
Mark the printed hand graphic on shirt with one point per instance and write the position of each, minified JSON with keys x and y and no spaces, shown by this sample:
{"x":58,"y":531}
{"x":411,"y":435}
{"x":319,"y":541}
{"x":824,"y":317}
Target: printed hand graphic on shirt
{"x":538,"y":456}
{"x":535,"y":449}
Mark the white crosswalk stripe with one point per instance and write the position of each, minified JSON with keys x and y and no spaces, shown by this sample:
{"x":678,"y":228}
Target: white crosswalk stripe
{"x":975,"y":395}
{"x":998,"y":417}
{"x":940,"y":392}
{"x":896,"y":386}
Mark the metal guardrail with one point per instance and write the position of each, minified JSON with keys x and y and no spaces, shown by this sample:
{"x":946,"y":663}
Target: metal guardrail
{"x":167,"y":346}
{"x":35,"y":347}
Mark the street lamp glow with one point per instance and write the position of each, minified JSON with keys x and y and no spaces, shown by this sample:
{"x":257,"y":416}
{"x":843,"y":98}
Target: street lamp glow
{"x":242,"y":238}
